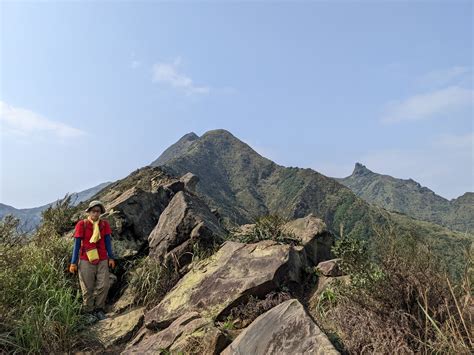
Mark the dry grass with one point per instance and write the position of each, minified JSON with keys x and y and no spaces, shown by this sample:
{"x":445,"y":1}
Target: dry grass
{"x":402,"y":302}
{"x":247,"y":312}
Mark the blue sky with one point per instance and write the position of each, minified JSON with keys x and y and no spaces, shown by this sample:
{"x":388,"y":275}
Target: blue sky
{"x":91,"y":91}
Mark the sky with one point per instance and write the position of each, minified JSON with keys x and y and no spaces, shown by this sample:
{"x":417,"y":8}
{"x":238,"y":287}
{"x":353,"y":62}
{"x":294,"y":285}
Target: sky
{"x":91,"y":91}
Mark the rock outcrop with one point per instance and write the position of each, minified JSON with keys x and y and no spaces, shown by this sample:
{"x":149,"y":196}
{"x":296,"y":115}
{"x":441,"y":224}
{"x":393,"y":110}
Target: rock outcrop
{"x":185,"y":221}
{"x":313,"y":235}
{"x":235,"y":272}
{"x":285,"y":329}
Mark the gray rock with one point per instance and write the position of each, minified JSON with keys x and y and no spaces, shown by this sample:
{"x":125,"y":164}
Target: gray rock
{"x":190,"y":181}
{"x":236,"y":271}
{"x":118,"y":329}
{"x":285,"y":329}
{"x":185,"y":221}
{"x":133,"y":215}
{"x":330,"y":268}
{"x":313,"y":235}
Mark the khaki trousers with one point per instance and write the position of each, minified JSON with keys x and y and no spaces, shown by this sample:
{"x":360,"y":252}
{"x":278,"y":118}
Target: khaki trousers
{"x":94,"y":281}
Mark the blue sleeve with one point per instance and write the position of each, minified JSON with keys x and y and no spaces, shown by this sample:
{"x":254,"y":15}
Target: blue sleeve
{"x":75,"y":251}
{"x":108,"y":246}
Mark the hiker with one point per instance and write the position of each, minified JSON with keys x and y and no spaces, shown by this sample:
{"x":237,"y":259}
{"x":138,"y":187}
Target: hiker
{"x":93,"y":251}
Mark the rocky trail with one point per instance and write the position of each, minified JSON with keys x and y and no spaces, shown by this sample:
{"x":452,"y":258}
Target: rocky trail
{"x":241,"y":298}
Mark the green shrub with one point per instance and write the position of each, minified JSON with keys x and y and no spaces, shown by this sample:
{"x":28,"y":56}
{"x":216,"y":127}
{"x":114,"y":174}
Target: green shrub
{"x":59,"y":217}
{"x":269,"y":227}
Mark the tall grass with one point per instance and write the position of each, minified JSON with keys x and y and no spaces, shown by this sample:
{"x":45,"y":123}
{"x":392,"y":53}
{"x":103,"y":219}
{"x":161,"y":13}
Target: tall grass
{"x":149,"y":281}
{"x":40,"y":302}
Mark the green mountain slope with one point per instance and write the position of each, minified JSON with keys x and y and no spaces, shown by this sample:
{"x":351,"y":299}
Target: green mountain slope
{"x":410,"y":198}
{"x":243,"y":185}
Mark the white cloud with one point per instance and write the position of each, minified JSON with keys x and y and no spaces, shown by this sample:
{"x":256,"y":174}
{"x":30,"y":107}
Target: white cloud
{"x":429,"y":105}
{"x":22,"y":122}
{"x":443,"y":77}
{"x":168,"y":73}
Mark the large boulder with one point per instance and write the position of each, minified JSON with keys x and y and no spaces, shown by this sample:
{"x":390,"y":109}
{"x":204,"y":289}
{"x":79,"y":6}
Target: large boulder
{"x":134,"y":214}
{"x":285,"y":329}
{"x":186,"y":221}
{"x":313,"y":235}
{"x":230,"y":276}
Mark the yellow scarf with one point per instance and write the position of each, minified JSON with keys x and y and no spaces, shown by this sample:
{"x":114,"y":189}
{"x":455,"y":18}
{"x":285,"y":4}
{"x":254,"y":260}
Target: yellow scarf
{"x":96,"y":232}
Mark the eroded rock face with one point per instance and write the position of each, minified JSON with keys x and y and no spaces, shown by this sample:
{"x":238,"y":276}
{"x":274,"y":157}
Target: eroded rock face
{"x":236,"y":271}
{"x":118,"y":329}
{"x":285,"y":329}
{"x":313,"y":236}
{"x":134,"y":214}
{"x":185,"y":221}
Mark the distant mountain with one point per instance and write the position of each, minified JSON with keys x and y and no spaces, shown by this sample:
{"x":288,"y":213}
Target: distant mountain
{"x":410,"y":198}
{"x":176,"y":149}
{"x":243,"y":185}
{"x":30,"y":218}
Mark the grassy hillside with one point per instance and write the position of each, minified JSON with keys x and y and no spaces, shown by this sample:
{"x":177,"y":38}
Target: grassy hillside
{"x":410,"y":198}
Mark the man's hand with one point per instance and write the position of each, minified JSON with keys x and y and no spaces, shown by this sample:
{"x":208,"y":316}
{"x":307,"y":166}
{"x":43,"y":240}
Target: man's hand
{"x":112,"y":263}
{"x":73,"y":268}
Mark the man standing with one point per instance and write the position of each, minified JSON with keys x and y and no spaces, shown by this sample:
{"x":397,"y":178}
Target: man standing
{"x":93,"y":250}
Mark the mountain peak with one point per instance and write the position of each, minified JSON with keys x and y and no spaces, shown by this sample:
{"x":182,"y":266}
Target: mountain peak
{"x":221,"y":133}
{"x":176,"y":149}
{"x":191,"y":136}
{"x":360,"y":169}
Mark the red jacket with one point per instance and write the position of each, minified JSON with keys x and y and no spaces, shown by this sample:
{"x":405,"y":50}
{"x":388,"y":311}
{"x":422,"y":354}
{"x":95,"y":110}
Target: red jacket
{"x":86,"y":235}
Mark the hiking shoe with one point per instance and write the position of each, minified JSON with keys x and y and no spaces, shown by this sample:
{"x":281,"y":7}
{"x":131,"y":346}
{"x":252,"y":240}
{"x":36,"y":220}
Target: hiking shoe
{"x":100,"y":314}
{"x":90,"y":318}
